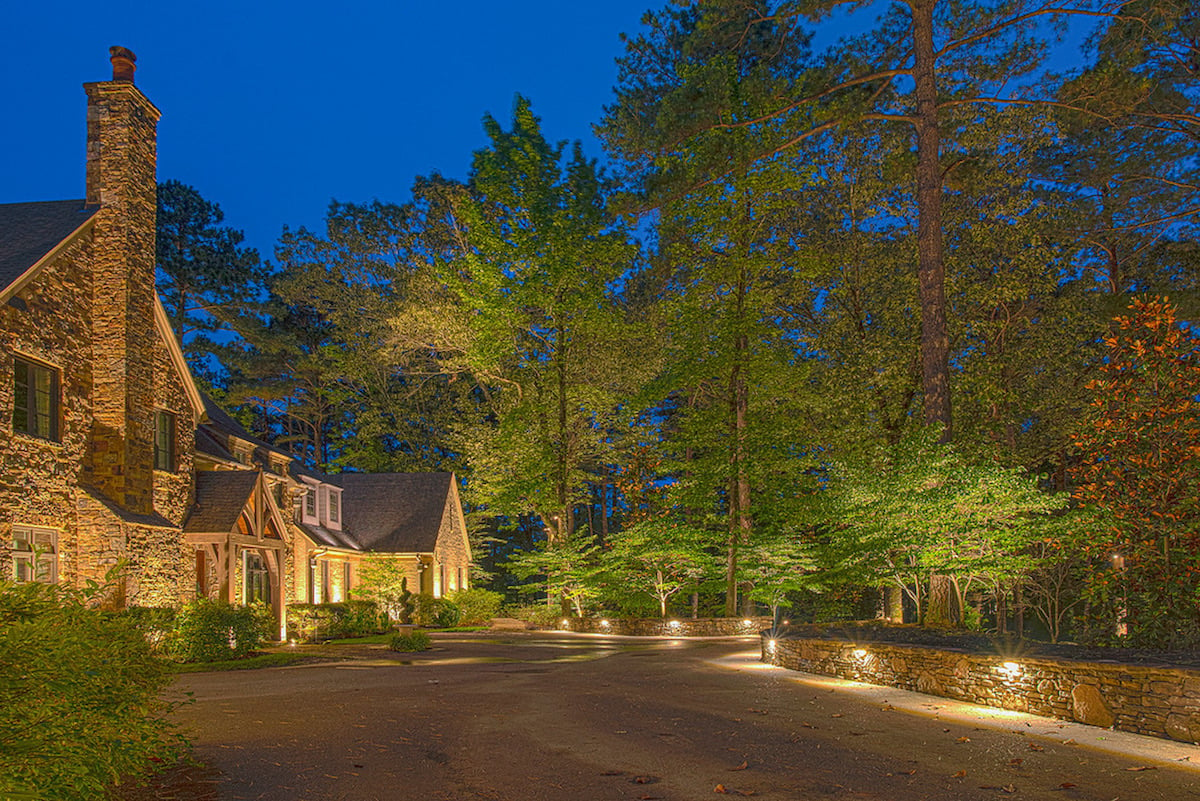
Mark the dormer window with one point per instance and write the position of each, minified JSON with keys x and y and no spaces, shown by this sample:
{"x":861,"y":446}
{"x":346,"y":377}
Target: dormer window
{"x":310,"y":503}
{"x":334,"y":507}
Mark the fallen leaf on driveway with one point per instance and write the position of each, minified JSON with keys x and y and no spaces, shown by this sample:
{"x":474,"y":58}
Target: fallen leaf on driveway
{"x":1065,"y":786}
{"x":963,"y":740}
{"x":720,"y":788}
{"x":1140,"y":768}
{"x":1036,"y":747}
{"x":808,"y":725}
{"x":739,"y":767}
{"x":836,"y":715}
{"x":960,"y":774}
{"x":1015,"y":762}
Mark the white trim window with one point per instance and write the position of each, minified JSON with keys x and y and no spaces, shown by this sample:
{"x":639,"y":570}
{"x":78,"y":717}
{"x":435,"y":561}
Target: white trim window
{"x":35,"y":554}
{"x":308,"y":505}
{"x":333,"y":507}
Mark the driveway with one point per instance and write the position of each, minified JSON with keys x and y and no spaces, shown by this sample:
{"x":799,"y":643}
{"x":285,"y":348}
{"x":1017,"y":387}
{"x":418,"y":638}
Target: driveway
{"x":525,"y":717}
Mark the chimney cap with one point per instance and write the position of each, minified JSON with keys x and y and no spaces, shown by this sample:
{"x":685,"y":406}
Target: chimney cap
{"x":124,"y":63}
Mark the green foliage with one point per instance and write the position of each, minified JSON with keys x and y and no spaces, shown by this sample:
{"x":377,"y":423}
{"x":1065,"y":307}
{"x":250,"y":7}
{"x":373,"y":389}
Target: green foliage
{"x":411,"y":641}
{"x":776,"y":566}
{"x":154,"y":622}
{"x":381,"y":579}
{"x":538,"y":615}
{"x":660,"y":558}
{"x":310,"y":622}
{"x":572,"y":571}
{"x":80,"y":704}
{"x":205,"y":277}
{"x":438,"y":613}
{"x":475,"y":605}
{"x":921,"y":509}
{"x":210,"y":631}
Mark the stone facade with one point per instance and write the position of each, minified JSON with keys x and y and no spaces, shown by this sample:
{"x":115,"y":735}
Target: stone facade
{"x":78,"y":309}
{"x":1161,"y":701}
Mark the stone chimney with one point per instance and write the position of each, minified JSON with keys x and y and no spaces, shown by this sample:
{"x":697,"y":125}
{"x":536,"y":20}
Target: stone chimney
{"x":121,"y":180}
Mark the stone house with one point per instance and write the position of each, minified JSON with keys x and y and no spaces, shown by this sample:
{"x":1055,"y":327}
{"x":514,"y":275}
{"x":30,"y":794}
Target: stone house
{"x":109,"y":453}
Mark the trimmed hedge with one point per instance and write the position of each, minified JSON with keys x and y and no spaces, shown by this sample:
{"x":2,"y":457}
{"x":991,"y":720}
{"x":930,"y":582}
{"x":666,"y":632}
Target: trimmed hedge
{"x":309,"y":622}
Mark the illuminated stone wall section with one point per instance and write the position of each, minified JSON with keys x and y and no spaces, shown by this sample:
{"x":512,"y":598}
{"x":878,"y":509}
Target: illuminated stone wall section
{"x":1156,"y":700}
{"x":38,"y":479}
{"x":173,"y":491}
{"x":121,"y":158}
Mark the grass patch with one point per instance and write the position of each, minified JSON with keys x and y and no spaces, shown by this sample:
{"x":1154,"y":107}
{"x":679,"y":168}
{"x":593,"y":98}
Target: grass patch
{"x":368,"y":640}
{"x":465,"y":628}
{"x":249,"y":663}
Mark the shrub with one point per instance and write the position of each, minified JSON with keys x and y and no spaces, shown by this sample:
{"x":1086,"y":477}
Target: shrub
{"x":475,"y":606}
{"x":79,"y":696}
{"x":541,"y":615}
{"x":210,"y":631}
{"x":154,"y":622}
{"x":310,"y":622}
{"x":437,"y":613}
{"x":413,"y":641}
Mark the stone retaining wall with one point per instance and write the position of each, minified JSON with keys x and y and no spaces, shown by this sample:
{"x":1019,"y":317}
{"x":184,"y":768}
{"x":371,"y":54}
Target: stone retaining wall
{"x":672,"y":627}
{"x":1156,"y":700}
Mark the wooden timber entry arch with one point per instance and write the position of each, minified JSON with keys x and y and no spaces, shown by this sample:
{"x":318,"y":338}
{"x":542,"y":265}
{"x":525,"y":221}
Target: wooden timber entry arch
{"x":241,"y":540}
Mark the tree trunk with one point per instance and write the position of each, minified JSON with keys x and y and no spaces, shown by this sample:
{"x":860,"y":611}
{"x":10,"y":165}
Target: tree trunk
{"x":931,"y":270}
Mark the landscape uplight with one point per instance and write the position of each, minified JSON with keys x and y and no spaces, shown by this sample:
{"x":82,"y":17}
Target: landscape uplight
{"x":604,"y":624}
{"x":860,"y":653}
{"x":674,"y":624}
{"x":1011,"y":669}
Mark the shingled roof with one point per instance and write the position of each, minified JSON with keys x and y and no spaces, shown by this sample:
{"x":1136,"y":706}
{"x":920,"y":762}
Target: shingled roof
{"x":394,"y":512}
{"x":221,"y":495}
{"x":28,"y":231}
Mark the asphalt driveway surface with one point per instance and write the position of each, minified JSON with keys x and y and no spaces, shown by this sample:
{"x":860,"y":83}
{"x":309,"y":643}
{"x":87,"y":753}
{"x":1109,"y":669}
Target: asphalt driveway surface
{"x":526,"y":717}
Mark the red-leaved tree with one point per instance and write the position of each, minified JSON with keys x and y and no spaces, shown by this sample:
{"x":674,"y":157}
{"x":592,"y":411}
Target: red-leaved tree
{"x":1140,"y":465}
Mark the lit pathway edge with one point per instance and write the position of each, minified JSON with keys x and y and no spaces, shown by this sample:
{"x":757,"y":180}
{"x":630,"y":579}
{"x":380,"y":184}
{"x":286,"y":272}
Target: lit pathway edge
{"x":1141,"y":747}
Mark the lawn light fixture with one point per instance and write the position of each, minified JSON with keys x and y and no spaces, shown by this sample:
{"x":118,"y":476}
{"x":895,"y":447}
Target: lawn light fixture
{"x":860,"y":653}
{"x":565,"y":623}
{"x":604,"y":624}
{"x":787,"y":622}
{"x":674,"y":624}
{"x":1118,"y":561}
{"x":771,"y":646}
{"x":747,"y":622}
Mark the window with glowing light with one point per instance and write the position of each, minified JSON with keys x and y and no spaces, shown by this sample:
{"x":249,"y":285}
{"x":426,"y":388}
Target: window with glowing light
{"x":257,"y":578}
{"x":334,"y":506}
{"x":35,"y":554}
{"x":35,"y":399}
{"x":310,"y":504}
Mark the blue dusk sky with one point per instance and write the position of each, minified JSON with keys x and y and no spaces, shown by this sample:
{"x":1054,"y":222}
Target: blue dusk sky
{"x":272,"y":109}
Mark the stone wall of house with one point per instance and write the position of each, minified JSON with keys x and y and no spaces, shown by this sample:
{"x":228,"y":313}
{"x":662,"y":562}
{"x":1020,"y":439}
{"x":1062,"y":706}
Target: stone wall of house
{"x":1161,"y":701}
{"x":452,"y":556}
{"x":38,"y":478}
{"x":174,"y":490}
{"x":671,"y":627}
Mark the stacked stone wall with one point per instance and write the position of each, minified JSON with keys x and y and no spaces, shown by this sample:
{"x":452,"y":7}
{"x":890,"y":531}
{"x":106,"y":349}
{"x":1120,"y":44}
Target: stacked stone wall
{"x":671,"y":627}
{"x":174,"y":490}
{"x":38,"y":478}
{"x":1161,"y":701}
